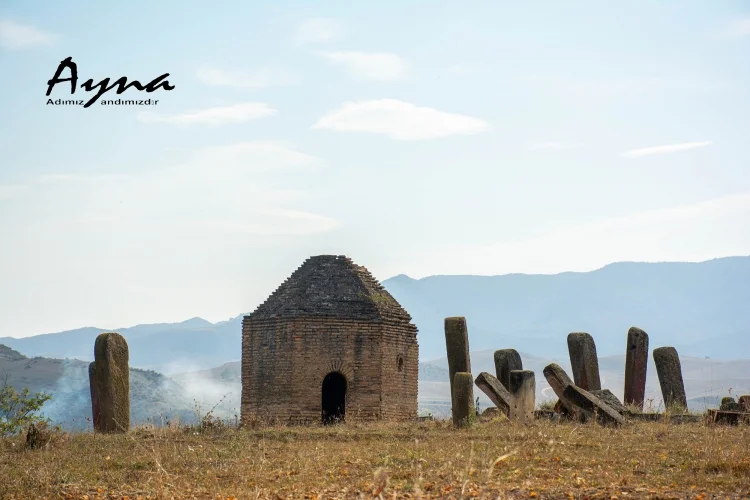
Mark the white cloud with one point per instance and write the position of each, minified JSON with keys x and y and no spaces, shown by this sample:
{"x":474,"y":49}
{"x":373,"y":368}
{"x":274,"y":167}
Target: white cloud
{"x":237,"y":113}
{"x":399,"y":120}
{"x":17,"y":36}
{"x":740,"y":28}
{"x":688,"y":233}
{"x":319,"y":30}
{"x":246,"y":79}
{"x":376,"y":66}
{"x":555,"y":146}
{"x":665,"y":149}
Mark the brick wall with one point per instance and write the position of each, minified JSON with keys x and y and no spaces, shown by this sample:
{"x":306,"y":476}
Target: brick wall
{"x":284,"y":362}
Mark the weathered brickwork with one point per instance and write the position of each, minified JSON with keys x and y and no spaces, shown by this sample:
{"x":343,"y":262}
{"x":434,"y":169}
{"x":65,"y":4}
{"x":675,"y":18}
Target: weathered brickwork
{"x":329,"y":316}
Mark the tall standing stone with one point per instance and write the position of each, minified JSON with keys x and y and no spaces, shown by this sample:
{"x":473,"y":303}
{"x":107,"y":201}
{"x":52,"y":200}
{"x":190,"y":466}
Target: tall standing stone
{"x":457,"y":347}
{"x":669,"y":370}
{"x":463,"y":399}
{"x":584,"y":361}
{"x":507,"y":360}
{"x":112,"y":381}
{"x":523,"y":389}
{"x":95,"y":414}
{"x":744,"y":402}
{"x":636,"y":363}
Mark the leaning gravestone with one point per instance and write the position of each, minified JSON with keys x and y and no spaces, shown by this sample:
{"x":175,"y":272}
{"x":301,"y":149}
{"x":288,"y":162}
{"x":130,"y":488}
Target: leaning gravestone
{"x":584,"y":361}
{"x":590,"y":406}
{"x":112,"y":382}
{"x":463,"y":399}
{"x":457,"y":347}
{"x":494,"y":390}
{"x":523,"y":389}
{"x":606,"y":396}
{"x":636,"y":363}
{"x":95,"y":413}
{"x":559,"y":380}
{"x":669,"y":370}
{"x":506,"y":360}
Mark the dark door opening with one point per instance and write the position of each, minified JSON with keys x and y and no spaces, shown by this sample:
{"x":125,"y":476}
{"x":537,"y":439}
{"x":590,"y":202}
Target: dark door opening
{"x":334,"y":398}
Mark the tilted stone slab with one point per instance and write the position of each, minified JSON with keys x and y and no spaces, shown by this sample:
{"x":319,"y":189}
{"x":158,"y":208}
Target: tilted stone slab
{"x":494,"y":390}
{"x":584,"y":361}
{"x":589,"y":404}
{"x":636,"y":365}
{"x":610,"y":400}
{"x":669,"y":370}
{"x":112,"y":375}
{"x":506,"y":360}
{"x":558,"y":380}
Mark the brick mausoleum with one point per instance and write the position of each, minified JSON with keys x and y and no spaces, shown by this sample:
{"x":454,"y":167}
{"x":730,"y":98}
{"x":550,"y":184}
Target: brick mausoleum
{"x":329,"y":344}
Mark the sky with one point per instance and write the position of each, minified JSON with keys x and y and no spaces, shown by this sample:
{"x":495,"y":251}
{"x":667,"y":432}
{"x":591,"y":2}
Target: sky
{"x":417,"y":138}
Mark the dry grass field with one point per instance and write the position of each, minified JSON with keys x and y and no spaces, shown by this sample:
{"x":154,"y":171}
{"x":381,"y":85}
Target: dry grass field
{"x":495,"y":459}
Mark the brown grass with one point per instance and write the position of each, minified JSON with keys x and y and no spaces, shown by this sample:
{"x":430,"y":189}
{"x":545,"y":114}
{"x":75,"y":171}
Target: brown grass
{"x":497,"y":459}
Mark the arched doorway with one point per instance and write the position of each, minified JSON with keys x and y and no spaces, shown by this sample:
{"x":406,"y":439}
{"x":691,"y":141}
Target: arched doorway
{"x":334,"y":398}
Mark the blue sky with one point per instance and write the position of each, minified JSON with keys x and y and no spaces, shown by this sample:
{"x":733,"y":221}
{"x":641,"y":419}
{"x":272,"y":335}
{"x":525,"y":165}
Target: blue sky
{"x":415,"y":137}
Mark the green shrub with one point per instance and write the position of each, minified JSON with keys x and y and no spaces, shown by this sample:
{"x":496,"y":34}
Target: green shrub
{"x":18,"y":409}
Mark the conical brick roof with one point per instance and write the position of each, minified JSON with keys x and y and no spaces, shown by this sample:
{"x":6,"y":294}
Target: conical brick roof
{"x":331,"y":286}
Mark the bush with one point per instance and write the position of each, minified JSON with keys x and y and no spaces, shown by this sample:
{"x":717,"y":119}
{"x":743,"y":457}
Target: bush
{"x":18,"y":409}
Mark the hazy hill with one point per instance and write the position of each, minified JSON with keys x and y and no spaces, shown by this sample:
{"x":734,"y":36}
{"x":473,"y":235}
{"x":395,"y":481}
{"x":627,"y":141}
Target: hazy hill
{"x":152,"y":395}
{"x":700,"y":308}
{"x":167,"y":347}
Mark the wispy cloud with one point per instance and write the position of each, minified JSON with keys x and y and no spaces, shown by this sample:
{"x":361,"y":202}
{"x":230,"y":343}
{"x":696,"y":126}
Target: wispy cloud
{"x":10,"y":191}
{"x":399,"y":120}
{"x":223,"y":190}
{"x":255,"y":157}
{"x":246,"y":79}
{"x":609,"y":88}
{"x":16,"y":36}
{"x":378,"y":66}
{"x":688,"y":233}
{"x":319,"y":30}
{"x":467,"y":69}
{"x":740,"y":28}
{"x":237,"y":113}
{"x":554,"y":146}
{"x":665,"y":149}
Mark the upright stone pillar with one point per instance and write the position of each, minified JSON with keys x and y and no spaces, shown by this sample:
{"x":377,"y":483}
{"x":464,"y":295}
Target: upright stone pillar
{"x":744,"y":402}
{"x":112,"y":382}
{"x":584,"y":361}
{"x":669,"y":370}
{"x":95,"y":415}
{"x":457,"y":347}
{"x":523,"y":389}
{"x":463,"y":399}
{"x":507,"y":360}
{"x":636,"y":364}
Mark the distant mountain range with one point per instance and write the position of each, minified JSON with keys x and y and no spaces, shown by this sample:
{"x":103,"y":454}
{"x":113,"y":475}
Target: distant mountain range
{"x":699,"y":308}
